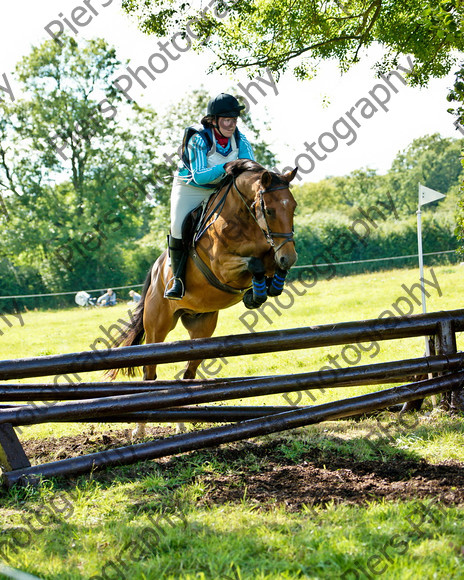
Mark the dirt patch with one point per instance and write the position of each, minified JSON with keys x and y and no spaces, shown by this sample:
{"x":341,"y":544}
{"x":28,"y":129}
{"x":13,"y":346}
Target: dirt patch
{"x":312,"y":484}
{"x":318,"y":478}
{"x":55,"y":448}
{"x":262,"y":473}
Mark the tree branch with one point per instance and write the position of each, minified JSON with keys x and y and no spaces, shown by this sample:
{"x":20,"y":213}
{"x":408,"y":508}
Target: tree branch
{"x":8,"y":174}
{"x":378,"y":4}
{"x":288,"y":55}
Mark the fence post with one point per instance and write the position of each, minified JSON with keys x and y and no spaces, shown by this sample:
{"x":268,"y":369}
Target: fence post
{"x":11,"y":450}
{"x":417,"y":404}
{"x":445,"y":343}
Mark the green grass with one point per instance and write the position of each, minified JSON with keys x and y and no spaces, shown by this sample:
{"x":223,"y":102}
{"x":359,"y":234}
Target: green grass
{"x":150,"y":520}
{"x":121,"y":524}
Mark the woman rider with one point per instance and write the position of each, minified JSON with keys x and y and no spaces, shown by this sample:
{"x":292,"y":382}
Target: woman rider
{"x":208,"y":151}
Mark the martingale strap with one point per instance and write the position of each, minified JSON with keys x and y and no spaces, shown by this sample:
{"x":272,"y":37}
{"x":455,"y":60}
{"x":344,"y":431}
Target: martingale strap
{"x":212,"y":279}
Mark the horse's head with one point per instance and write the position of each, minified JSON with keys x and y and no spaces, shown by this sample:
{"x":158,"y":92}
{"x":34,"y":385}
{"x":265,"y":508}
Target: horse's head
{"x":268,"y":198}
{"x":274,"y":209}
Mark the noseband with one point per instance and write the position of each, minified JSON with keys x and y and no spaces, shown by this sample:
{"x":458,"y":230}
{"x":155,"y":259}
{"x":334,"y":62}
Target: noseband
{"x":268,"y":233}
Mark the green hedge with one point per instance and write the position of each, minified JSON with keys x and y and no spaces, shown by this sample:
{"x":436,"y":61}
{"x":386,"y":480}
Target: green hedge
{"x":320,"y":238}
{"x":333,"y":238}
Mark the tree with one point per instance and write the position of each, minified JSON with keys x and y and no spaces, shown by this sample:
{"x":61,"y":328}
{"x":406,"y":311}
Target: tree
{"x":67,"y":161}
{"x":345,"y":194}
{"x":85,"y":177}
{"x":277,"y":33}
{"x":430,"y":160}
{"x":317,"y":197}
{"x":456,"y":95}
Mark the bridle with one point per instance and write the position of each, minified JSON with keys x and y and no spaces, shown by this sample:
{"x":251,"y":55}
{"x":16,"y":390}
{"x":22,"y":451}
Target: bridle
{"x":268,"y":233}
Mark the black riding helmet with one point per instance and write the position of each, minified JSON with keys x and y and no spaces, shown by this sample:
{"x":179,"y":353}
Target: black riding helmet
{"x":224,"y":105}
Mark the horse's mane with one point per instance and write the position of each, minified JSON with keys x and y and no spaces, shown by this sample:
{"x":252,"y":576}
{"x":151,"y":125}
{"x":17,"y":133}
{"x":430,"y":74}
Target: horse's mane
{"x":236,"y":168}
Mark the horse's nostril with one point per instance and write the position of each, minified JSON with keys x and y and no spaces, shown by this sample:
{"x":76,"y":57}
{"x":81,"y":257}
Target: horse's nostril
{"x":286,"y":262}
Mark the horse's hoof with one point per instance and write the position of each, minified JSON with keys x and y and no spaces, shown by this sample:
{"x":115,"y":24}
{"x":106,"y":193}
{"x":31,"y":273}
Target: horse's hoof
{"x":180,"y":428}
{"x":250,"y":301}
{"x":273,"y":292}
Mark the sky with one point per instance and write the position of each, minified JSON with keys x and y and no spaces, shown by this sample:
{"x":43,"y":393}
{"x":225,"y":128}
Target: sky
{"x":298,"y":113}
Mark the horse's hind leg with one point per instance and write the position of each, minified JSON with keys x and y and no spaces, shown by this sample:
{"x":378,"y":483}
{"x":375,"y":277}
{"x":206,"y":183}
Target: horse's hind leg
{"x":199,"y":326}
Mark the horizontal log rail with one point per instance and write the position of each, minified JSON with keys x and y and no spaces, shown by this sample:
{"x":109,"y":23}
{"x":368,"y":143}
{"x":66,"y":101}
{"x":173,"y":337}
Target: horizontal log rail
{"x":222,"y":391}
{"x":203,"y":414}
{"x":390,"y":372}
{"x":233,"y":345}
{"x":237,"y":431}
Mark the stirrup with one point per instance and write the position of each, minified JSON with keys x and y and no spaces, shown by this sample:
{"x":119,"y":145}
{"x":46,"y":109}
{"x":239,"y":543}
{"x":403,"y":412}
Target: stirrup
{"x":176,"y":295}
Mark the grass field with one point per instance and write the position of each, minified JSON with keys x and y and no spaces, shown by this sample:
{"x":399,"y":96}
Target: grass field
{"x":240,"y":512}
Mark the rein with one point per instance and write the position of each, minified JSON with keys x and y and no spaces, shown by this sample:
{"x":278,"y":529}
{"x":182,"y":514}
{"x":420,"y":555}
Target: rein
{"x":205,"y":218}
{"x":202,"y":227}
{"x":268,"y":233}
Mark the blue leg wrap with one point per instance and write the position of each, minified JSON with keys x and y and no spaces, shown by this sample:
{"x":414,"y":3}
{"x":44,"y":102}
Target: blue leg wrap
{"x":277,"y":283}
{"x":256,"y":295}
{"x":259,"y":290}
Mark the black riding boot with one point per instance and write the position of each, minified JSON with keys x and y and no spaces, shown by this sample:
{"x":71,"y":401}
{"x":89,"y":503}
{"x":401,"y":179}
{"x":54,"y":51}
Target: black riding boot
{"x":178,"y":257}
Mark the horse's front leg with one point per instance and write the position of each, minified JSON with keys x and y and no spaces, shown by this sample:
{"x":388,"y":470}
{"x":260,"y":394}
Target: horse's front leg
{"x":257,"y":295}
{"x":275,"y":285}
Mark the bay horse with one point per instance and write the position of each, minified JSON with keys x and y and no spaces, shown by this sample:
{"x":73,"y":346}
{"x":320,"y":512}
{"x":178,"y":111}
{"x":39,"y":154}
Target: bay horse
{"x":243,"y":249}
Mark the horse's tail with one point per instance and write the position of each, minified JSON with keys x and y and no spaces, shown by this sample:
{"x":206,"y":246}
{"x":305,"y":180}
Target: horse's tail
{"x":134,"y":333}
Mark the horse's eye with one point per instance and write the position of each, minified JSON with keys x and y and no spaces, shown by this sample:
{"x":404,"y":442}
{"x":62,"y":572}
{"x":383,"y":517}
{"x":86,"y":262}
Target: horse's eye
{"x":270,"y":212}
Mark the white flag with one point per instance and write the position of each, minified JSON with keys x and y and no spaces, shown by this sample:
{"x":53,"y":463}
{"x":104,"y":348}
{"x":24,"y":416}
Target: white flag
{"x":427,"y":195}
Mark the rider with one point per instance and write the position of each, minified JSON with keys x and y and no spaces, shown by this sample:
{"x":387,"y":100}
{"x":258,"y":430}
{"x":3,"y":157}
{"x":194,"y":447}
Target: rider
{"x":195,"y":183}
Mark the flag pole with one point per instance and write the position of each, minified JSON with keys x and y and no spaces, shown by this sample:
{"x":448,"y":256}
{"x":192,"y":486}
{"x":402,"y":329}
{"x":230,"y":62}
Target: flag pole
{"x":421,"y":258}
{"x":426,"y":195}
{"x":421,"y":264}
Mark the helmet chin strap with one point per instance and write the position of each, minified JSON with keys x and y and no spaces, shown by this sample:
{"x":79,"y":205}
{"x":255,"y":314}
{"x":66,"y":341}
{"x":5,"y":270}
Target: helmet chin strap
{"x":217,"y":127}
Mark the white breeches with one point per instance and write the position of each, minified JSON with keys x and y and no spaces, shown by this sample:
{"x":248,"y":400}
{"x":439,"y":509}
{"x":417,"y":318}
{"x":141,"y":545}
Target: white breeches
{"x":184,"y":198}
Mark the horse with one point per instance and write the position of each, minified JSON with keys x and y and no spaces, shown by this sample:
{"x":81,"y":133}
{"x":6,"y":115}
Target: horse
{"x":242,"y":250}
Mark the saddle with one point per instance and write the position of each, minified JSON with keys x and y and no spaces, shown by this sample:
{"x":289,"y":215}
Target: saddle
{"x":192,"y":224}
{"x":200,"y":219}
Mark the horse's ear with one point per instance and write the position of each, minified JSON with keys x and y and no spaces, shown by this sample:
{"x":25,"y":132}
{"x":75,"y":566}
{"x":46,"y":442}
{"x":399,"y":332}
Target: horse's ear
{"x":289,"y":176}
{"x":266,"y":179}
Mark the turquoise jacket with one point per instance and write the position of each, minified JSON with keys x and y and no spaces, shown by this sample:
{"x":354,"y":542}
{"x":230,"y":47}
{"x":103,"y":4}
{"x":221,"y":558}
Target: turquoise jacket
{"x":200,"y":175}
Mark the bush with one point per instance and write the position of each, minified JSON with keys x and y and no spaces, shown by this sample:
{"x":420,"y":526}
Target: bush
{"x":333,"y":238}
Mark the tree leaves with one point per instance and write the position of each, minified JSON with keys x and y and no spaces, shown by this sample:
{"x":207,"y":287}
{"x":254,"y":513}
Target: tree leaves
{"x":285,"y":33}
{"x":85,"y":175}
